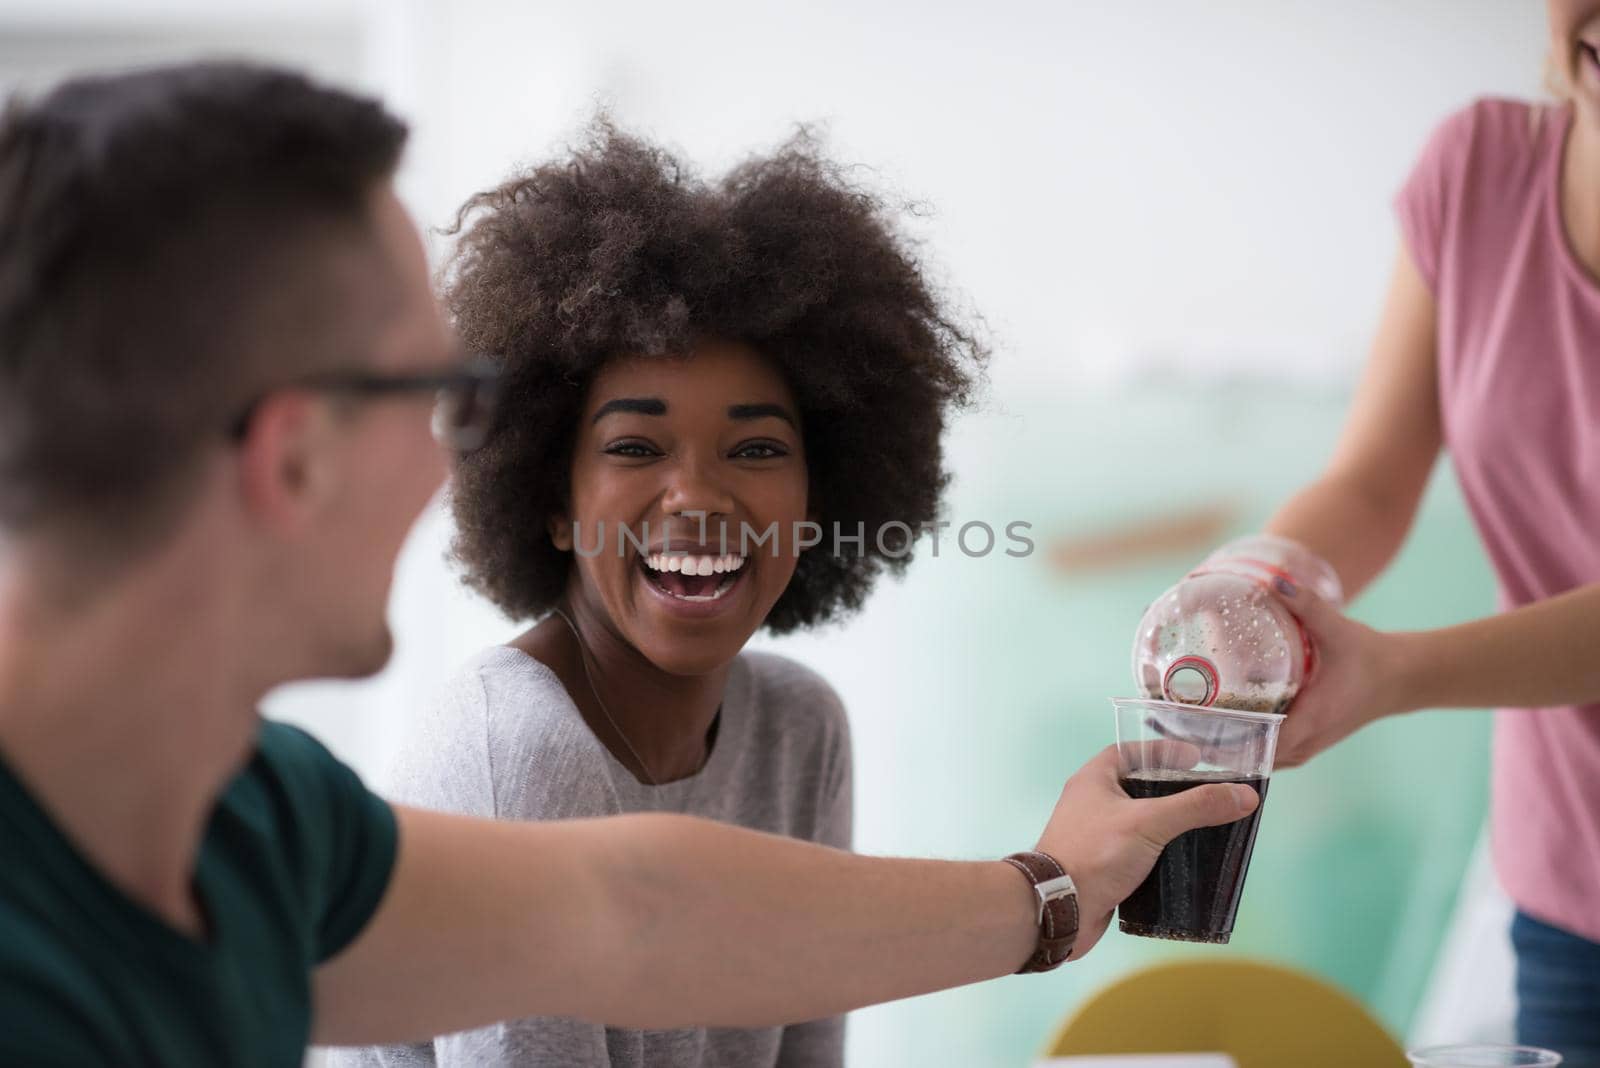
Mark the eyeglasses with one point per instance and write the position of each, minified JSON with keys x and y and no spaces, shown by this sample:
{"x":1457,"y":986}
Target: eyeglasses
{"x":463,"y":413}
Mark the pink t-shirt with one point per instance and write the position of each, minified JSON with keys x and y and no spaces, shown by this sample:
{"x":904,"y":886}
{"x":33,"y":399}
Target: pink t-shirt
{"x":1519,"y":390}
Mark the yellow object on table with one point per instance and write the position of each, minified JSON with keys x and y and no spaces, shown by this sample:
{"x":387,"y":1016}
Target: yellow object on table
{"x":1262,"y":1015}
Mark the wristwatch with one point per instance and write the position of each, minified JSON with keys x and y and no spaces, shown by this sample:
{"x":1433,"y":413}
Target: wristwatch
{"x":1058,"y":909}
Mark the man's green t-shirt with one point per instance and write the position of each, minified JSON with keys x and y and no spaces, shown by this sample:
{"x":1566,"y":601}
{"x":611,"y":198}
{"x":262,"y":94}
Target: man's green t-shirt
{"x":294,"y":862}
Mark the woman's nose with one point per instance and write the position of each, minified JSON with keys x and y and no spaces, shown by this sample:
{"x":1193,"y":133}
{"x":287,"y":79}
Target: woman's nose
{"x":693,"y":486}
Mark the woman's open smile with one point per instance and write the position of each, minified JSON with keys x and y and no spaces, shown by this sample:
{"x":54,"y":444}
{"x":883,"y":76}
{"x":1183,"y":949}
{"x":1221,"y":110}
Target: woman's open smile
{"x":695,"y":582}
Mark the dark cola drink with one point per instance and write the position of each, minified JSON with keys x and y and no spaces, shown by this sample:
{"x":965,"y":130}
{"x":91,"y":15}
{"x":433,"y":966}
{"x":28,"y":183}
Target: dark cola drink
{"x":1192,"y":894}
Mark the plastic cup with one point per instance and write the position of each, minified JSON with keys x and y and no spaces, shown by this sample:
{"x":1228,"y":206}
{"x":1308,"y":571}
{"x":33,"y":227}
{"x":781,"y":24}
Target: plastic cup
{"x":1192,"y":894}
{"x":1483,"y":1057}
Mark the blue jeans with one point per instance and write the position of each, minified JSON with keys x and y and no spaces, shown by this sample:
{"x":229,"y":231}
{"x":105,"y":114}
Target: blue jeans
{"x":1558,"y":991}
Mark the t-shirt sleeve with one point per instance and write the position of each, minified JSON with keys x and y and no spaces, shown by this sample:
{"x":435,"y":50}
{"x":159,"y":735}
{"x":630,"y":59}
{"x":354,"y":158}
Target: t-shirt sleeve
{"x":1426,"y":201}
{"x":344,"y":835}
{"x":444,"y":763}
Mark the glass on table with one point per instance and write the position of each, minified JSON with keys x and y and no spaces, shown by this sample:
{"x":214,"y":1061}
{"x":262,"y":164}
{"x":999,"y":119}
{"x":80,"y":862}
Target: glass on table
{"x":1483,"y":1057}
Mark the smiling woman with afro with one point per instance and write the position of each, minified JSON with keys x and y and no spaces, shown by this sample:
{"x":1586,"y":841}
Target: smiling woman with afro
{"x":622,"y":249}
{"x":760,"y":349}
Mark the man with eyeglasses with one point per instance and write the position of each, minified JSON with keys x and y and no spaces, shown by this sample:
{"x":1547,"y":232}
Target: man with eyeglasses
{"x":218,"y":354}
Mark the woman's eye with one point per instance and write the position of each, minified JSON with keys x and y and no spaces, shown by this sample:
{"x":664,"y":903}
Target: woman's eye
{"x":630,"y":450}
{"x":760,"y":450}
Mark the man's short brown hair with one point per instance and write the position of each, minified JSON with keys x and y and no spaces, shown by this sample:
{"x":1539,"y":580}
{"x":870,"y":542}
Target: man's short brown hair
{"x":159,"y":241}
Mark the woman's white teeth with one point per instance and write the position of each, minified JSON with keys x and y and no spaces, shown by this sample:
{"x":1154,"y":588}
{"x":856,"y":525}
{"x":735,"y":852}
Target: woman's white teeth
{"x":694,"y":565}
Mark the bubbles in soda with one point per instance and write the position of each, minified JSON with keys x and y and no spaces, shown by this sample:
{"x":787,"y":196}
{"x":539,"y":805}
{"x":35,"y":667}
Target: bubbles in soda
{"x":1222,"y":638}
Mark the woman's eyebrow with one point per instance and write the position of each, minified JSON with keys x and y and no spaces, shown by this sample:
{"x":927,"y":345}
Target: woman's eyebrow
{"x":636,"y":405}
{"x":743,"y":412}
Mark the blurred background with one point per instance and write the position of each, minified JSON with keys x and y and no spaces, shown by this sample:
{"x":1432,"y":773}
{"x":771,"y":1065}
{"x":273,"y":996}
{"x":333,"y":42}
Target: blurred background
{"x":1175,"y":219}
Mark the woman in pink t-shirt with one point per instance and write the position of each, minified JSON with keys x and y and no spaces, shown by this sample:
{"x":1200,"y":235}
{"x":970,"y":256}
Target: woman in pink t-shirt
{"x":1489,"y":346}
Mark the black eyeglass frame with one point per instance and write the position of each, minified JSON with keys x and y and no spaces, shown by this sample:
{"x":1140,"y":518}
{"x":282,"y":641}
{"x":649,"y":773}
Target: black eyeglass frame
{"x":476,"y":382}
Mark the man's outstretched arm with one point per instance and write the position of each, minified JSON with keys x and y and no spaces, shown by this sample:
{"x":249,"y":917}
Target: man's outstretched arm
{"x":667,"y":921}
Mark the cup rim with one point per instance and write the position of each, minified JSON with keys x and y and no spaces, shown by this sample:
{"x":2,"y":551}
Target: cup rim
{"x":1175,"y":706}
{"x":1456,"y":1048}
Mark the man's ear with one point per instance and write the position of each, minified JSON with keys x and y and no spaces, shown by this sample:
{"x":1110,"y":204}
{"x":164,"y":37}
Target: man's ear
{"x":286,"y":468}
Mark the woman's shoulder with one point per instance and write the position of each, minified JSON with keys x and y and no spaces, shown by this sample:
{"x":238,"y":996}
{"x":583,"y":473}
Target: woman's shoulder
{"x":790,"y":689}
{"x":475,"y":699}
{"x":1479,"y":163}
{"x":502,"y":720}
{"x":527,"y":709}
{"x":1494,"y":128}
{"x":505,"y":673}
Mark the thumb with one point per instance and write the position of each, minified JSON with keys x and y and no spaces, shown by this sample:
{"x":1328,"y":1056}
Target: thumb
{"x":1314,"y":612}
{"x":1164,"y":818}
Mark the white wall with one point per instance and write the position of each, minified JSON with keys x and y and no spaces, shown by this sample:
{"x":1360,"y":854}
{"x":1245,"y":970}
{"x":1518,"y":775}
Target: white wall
{"x":1112,"y":179}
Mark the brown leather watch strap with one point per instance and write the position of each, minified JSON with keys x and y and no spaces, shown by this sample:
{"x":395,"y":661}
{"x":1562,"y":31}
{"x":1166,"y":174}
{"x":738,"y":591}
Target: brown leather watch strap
{"x":1058,"y":909}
